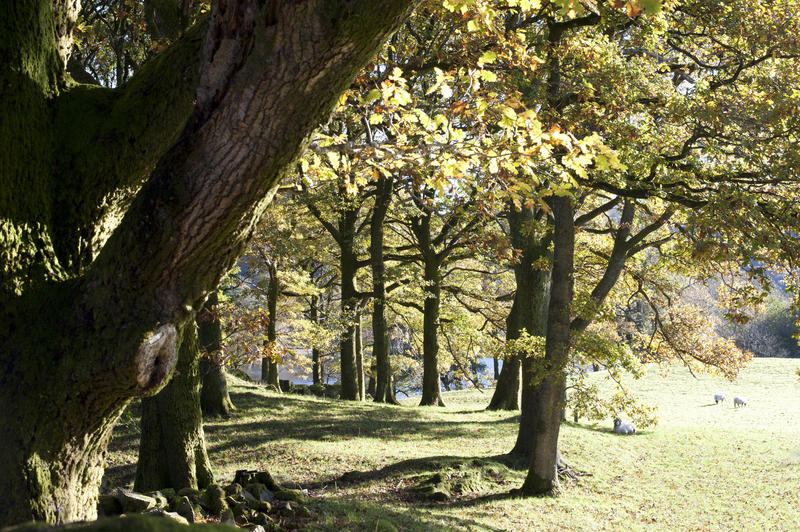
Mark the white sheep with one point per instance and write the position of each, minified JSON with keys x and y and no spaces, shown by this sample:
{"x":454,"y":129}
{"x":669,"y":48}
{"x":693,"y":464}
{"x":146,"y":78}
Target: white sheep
{"x":739,"y":401}
{"x":624,"y":428}
{"x":718,"y":398}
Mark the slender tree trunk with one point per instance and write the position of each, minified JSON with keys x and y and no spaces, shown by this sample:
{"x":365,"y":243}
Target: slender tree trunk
{"x":506,"y":392}
{"x":347,"y":345}
{"x":431,"y":387}
{"x":316,"y":369}
{"x":172,"y":452}
{"x":359,"y":347}
{"x":214,"y":397}
{"x":496,"y":365}
{"x":529,"y":310}
{"x":542,"y":476}
{"x":380,"y":331}
{"x":533,"y":296}
{"x":269,"y":364}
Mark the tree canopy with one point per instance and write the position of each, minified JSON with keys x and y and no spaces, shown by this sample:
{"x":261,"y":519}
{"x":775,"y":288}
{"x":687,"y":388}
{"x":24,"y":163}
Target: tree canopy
{"x":530,"y":180}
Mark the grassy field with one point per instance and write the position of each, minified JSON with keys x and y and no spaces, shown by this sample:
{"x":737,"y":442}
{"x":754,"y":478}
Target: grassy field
{"x":703,"y":467}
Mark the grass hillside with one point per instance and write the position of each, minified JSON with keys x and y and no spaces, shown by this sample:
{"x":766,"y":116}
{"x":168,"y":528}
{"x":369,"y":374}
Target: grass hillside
{"x":368,"y":467}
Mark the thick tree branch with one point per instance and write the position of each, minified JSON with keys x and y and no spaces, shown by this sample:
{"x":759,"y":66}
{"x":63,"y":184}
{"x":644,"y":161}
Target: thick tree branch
{"x":270,"y":74}
{"x":110,"y":140}
{"x":594,"y":213}
{"x":613,"y":269}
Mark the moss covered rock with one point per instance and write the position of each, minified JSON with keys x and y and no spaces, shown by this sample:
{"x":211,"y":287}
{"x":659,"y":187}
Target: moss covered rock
{"x":133,"y":502}
{"x":459,"y":479}
{"x":186,"y":509}
{"x":233,"y":490}
{"x":213,"y":499}
{"x":160,"y":512}
{"x":259,"y":491}
{"x":192,"y":493}
{"x":227,"y":517}
{"x":290,"y":495}
{"x":130,"y":523}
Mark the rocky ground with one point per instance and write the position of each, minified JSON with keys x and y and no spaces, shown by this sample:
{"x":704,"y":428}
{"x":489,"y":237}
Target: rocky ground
{"x":253,"y":501}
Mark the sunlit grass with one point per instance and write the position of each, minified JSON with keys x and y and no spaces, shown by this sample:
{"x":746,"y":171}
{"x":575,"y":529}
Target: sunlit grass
{"x":703,"y":467}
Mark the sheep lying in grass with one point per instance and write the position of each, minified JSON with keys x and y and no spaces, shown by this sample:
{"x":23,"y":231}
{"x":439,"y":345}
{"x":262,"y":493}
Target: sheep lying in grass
{"x":739,"y":401}
{"x":718,"y":398}
{"x":624,"y":428}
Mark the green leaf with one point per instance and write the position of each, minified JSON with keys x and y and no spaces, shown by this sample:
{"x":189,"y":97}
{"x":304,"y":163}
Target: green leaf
{"x":487,"y":57}
{"x":372,"y":95}
{"x":488,"y":76}
{"x":650,"y":6}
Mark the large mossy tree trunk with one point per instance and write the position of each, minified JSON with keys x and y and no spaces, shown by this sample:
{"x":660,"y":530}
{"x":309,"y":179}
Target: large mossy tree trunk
{"x":380,"y":330}
{"x":215,"y":400}
{"x":269,"y":364}
{"x":547,"y":402}
{"x":121,"y":209}
{"x":172,"y":449}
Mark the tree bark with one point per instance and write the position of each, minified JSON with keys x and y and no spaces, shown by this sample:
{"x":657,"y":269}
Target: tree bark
{"x":506,"y":392}
{"x":120,"y":210}
{"x":316,"y":368}
{"x":269,"y":364}
{"x":359,"y":348}
{"x":348,"y":266}
{"x":172,"y":450}
{"x":531,"y":300}
{"x":529,"y":309}
{"x":214,"y":397}
{"x":431,"y":387}
{"x":542,"y":476}
{"x":380,"y":331}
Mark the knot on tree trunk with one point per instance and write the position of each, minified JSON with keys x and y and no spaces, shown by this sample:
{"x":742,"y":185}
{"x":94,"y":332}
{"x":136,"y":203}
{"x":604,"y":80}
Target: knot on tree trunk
{"x":156,"y":359}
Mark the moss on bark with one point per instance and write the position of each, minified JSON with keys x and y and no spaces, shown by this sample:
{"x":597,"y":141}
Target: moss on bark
{"x":172,"y":452}
{"x":214,"y":397}
{"x":98,"y":311}
{"x":548,"y":396}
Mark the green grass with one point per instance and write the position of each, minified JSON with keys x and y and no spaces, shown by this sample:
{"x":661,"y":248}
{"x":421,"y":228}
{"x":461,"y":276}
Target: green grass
{"x":703,"y":467}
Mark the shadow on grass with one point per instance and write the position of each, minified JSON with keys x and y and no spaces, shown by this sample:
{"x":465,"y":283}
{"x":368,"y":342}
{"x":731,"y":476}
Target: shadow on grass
{"x":429,"y":464}
{"x":261,"y":419}
{"x":293,"y":417}
{"x":368,"y":515}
